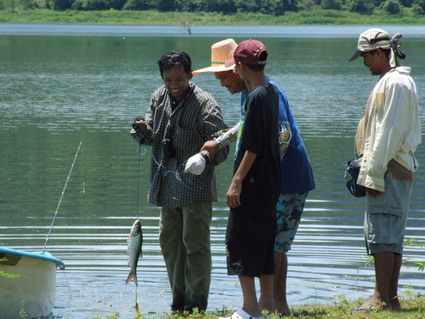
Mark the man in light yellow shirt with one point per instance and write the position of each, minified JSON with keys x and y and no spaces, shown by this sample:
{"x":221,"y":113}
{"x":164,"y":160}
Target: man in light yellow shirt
{"x":386,"y":139}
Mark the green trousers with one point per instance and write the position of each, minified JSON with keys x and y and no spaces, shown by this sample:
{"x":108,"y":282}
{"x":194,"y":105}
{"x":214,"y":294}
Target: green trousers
{"x":184,"y":237}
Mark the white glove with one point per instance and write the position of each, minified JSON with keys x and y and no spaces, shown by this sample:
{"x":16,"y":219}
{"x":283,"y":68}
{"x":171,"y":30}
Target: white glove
{"x":195,"y":164}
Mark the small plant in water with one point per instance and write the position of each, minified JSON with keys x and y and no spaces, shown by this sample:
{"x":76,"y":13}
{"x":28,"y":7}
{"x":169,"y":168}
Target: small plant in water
{"x":23,"y":312}
{"x":415,"y":242}
{"x":369,"y":261}
{"x":115,"y":315}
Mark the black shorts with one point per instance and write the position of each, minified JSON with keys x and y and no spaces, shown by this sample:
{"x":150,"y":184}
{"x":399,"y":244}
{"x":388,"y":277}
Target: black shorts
{"x":250,"y":241}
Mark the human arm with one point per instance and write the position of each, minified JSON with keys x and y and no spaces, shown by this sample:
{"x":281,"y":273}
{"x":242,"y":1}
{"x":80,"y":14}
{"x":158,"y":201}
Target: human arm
{"x":233,"y":196}
{"x":223,"y":140}
{"x":212,"y":147}
{"x":373,"y":192}
{"x":213,"y":127}
{"x":196,"y":163}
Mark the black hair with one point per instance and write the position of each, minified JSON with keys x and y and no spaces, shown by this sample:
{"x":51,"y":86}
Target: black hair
{"x":386,"y":52}
{"x":172,"y":59}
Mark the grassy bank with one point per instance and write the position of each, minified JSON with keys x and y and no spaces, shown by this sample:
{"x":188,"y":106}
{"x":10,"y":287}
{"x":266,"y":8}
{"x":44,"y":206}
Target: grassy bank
{"x":323,"y":17}
{"x":413,"y":308}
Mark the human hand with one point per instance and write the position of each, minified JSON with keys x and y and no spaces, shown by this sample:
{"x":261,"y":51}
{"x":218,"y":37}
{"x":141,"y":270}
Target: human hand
{"x":195,"y":164}
{"x":141,"y":125}
{"x":373,"y":192}
{"x":233,"y":195}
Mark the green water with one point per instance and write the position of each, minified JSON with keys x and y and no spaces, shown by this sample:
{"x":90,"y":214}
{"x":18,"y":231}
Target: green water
{"x":59,"y":90}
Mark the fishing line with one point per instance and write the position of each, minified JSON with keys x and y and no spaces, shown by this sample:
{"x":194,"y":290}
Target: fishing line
{"x":141,"y":152}
{"x":69,"y":289}
{"x":139,"y":177}
{"x":178,"y":174}
{"x":61,"y":197}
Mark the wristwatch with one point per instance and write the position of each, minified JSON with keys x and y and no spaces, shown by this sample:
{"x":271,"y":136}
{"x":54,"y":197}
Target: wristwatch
{"x":206,"y":155}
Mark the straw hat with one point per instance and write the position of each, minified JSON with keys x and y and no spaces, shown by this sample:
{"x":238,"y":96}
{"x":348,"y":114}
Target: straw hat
{"x":221,"y":52}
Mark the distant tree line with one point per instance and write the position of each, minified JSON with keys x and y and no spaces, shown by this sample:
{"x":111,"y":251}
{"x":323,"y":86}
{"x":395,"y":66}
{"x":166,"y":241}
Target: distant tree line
{"x":273,"y":7}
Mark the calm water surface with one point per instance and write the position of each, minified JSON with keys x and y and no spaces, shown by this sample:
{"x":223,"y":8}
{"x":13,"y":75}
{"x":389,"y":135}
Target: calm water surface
{"x":87,"y":86}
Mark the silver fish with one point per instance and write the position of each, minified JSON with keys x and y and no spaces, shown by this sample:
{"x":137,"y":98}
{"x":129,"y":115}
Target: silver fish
{"x":134,"y":250}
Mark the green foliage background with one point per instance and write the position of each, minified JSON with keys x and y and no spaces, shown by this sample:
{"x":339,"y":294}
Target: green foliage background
{"x":400,"y":8}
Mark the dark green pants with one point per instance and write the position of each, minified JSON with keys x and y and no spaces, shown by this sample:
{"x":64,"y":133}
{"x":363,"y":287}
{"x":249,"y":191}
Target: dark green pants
{"x":184,"y":237}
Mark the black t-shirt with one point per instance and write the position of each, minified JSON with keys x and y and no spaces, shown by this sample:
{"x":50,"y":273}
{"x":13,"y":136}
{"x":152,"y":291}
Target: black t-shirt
{"x":251,"y":228}
{"x":261,"y":185}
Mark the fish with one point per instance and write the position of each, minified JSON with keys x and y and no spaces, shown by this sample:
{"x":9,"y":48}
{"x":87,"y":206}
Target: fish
{"x":135,"y":241}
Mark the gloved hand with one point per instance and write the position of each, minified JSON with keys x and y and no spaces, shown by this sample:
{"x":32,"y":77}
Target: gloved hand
{"x":195,"y":164}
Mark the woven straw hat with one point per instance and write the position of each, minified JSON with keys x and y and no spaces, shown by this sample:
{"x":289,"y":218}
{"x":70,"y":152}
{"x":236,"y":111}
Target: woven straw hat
{"x":221,"y":52}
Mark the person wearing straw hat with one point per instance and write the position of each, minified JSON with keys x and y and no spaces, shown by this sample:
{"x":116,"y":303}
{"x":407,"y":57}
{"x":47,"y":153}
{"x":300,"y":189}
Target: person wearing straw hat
{"x":386,"y":139}
{"x":221,"y":52}
{"x":296,"y":173}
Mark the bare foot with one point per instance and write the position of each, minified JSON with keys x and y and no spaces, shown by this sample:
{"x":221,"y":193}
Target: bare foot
{"x":373,"y":304}
{"x":395,"y":304}
{"x":283,"y":310}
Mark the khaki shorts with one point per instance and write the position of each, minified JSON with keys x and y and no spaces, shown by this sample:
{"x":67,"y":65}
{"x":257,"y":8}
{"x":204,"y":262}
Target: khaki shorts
{"x":386,"y":217}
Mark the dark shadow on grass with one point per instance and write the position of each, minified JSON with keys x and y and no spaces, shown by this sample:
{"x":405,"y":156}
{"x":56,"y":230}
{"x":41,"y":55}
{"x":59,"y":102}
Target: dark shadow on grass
{"x":310,"y":313}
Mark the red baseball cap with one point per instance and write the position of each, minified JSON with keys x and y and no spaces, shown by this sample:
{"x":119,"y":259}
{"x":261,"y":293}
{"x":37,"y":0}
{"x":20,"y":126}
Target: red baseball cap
{"x":248,"y":52}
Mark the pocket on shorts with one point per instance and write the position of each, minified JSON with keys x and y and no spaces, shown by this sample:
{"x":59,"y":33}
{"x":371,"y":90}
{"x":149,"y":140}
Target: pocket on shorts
{"x":390,"y":207}
{"x":384,"y":219}
{"x":390,"y":202}
{"x":383,"y":228}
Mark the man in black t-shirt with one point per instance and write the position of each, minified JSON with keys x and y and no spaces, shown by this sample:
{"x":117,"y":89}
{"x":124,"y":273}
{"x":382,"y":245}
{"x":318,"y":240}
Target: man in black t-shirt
{"x":254,"y":189}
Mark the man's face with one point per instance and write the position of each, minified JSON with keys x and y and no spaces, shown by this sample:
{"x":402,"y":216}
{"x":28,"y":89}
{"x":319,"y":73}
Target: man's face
{"x":373,"y":61}
{"x":230,"y":80}
{"x":176,"y":80}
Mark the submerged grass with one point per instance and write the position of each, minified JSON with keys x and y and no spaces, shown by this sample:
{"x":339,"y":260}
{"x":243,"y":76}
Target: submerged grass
{"x":153,"y":17}
{"x":413,"y":308}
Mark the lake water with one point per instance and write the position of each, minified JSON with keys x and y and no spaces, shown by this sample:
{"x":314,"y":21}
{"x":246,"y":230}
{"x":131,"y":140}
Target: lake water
{"x":62,"y":84}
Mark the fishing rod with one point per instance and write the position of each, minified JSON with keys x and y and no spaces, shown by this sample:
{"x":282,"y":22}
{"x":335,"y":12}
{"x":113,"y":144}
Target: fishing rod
{"x":60,"y":199}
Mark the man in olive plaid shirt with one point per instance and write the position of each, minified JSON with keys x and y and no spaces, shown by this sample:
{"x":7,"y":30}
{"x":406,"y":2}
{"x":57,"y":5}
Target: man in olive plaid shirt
{"x":181,"y":118}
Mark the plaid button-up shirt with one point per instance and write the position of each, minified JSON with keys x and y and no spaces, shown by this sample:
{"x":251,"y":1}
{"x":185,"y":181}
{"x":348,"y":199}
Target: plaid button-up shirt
{"x":195,"y":120}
